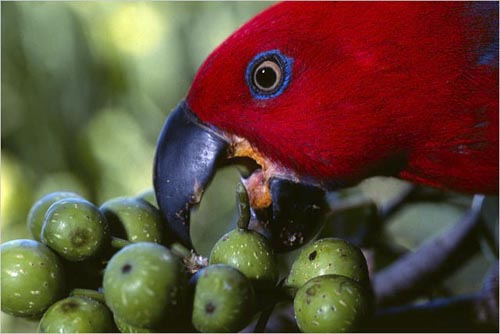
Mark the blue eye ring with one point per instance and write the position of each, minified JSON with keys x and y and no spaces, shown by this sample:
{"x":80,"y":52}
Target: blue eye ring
{"x":270,"y":61}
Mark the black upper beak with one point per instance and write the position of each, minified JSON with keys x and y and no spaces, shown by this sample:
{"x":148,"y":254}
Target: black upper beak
{"x":187,"y":156}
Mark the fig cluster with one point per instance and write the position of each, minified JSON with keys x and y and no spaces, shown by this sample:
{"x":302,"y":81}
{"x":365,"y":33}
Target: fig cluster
{"x":331,"y":288}
{"x":112,"y":268}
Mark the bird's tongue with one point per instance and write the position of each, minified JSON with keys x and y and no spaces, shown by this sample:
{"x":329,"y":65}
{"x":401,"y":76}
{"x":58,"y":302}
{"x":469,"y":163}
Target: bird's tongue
{"x":257,"y":186}
{"x":257,"y":182}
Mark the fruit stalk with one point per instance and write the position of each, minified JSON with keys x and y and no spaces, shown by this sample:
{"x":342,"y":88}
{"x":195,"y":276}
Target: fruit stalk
{"x":99,"y":296}
{"x":179,"y":250}
{"x":243,"y":206}
{"x":119,"y":243}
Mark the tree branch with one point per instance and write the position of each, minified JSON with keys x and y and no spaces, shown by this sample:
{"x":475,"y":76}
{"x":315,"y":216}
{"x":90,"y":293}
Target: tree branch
{"x":391,"y":207}
{"x":414,"y":272}
{"x":468,"y":313}
{"x":457,"y":314}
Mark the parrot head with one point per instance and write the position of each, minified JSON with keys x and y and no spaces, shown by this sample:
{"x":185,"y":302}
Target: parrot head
{"x":233,"y":114}
{"x":306,"y":103}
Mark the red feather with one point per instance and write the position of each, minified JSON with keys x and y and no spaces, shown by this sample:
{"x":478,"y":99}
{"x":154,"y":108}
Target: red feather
{"x":399,"y":88}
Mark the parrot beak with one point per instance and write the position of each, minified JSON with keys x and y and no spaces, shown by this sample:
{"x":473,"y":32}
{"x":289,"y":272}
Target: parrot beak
{"x":187,"y":156}
{"x":295,"y":215}
{"x":189,"y":152}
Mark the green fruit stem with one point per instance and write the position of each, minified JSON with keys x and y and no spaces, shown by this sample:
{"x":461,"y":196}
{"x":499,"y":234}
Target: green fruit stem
{"x":119,"y":243}
{"x":243,"y":206}
{"x":99,"y":296}
{"x":179,"y":250}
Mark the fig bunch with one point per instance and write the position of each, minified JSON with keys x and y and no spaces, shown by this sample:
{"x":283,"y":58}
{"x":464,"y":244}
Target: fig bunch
{"x":113,"y":268}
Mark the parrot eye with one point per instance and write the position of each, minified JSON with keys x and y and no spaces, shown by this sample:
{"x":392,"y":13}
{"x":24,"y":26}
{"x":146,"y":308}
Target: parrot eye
{"x":268,"y":74}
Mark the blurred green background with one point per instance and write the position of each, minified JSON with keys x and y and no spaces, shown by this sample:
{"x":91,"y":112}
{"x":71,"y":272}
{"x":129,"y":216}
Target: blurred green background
{"x":85,"y":90}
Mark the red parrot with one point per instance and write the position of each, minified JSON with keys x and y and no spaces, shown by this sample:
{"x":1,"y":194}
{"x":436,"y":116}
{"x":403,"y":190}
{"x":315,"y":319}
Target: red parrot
{"x":325,"y":94}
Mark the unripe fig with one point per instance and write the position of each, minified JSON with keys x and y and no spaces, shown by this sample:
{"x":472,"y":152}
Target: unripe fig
{"x":145,"y":285}
{"x":75,"y":229}
{"x":123,"y":327}
{"x":38,"y":210}
{"x":331,"y":303}
{"x":223,"y":299}
{"x":32,"y":278}
{"x":328,"y":256}
{"x":149,"y":196}
{"x":77,"y":315}
{"x":250,"y":253}
{"x":134,"y":220}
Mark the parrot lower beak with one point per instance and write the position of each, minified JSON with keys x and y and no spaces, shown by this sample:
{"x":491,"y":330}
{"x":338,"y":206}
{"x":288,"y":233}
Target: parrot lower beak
{"x":295,"y":215}
{"x":188,"y":153}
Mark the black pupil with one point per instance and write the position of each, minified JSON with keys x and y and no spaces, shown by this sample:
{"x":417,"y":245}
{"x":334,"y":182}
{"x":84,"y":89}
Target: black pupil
{"x":266,"y":77}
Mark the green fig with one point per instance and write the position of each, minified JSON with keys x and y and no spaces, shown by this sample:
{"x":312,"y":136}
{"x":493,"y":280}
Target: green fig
{"x":134,"y":220}
{"x":331,"y":304}
{"x":145,"y":285}
{"x":250,"y":253}
{"x":123,"y":327}
{"x":32,"y":278}
{"x":38,"y":210}
{"x":75,"y":229}
{"x":223,"y":299}
{"x":77,"y":315}
{"x":149,"y":196}
{"x":328,"y":256}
